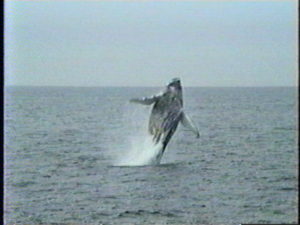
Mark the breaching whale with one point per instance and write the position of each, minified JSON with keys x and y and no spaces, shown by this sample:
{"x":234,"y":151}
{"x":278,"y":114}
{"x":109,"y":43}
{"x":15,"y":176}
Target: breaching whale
{"x":165,"y":116}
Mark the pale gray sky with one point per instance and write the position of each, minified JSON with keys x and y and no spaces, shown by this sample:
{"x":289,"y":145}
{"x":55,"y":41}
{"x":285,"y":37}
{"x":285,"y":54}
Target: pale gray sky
{"x":94,"y":43}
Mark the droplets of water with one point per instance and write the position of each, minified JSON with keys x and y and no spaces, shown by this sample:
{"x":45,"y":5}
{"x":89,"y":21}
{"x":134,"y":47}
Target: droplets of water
{"x":141,"y":151}
{"x":137,"y":147}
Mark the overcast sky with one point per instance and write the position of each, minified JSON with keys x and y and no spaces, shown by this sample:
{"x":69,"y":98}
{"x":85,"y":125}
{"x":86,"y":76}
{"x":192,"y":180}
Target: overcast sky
{"x":89,"y":43}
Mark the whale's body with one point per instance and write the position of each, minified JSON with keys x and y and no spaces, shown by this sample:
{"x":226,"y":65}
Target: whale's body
{"x":165,"y":116}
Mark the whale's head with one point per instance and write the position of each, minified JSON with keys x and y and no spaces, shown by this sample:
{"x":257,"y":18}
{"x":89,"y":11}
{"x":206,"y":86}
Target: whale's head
{"x":174,"y":85}
{"x":174,"y":88}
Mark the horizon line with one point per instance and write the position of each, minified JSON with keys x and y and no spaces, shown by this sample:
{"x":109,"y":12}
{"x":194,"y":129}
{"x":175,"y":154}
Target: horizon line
{"x":117,"y":86}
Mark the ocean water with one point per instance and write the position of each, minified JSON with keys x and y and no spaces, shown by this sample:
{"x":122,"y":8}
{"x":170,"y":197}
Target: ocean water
{"x":63,"y":146}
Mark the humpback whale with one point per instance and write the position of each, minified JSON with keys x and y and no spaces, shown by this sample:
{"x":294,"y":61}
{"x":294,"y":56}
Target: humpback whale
{"x":167,"y":112}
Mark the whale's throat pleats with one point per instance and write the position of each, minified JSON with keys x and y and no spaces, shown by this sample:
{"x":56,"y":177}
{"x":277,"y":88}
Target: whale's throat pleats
{"x":164,"y":120}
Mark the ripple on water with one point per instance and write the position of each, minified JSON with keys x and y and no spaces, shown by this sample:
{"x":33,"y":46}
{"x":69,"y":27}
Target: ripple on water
{"x":141,"y":212}
{"x":23,"y":184}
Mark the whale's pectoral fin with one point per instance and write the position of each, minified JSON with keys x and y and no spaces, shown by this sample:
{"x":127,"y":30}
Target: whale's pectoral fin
{"x":189,"y":124}
{"x":145,"y":101}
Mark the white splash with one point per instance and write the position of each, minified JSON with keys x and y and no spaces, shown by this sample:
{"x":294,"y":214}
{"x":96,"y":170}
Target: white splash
{"x":142,"y":151}
{"x":134,"y":146}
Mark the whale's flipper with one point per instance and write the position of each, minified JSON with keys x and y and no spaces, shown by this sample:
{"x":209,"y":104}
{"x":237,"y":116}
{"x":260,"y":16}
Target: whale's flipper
{"x":145,"y":100}
{"x":188,"y":123}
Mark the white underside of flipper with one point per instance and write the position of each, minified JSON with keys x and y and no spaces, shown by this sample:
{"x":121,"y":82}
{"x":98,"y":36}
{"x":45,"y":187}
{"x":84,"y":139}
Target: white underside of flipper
{"x":187,"y":122}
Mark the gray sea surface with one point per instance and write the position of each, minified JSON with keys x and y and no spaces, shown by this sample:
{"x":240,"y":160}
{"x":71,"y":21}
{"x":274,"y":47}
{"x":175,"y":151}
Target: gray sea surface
{"x":62,"y":146}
